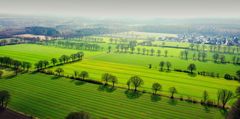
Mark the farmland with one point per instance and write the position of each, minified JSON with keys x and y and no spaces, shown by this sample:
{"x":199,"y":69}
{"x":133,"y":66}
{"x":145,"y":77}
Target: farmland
{"x":48,"y":99}
{"x":126,"y":65}
{"x":44,"y":96}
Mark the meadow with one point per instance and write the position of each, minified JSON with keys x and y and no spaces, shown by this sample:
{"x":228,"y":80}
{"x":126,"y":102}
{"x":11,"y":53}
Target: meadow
{"x":47,"y":96}
{"x":125,"y":65}
{"x":33,"y":53}
{"x":92,"y":98}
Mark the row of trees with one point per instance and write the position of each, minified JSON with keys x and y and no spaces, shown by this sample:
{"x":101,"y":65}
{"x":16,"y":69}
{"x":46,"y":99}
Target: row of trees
{"x":162,"y":64}
{"x":134,"y":82}
{"x":200,"y":56}
{"x":215,"y":48}
{"x":219,"y":58}
{"x":123,"y":48}
{"x":61,"y":60}
{"x":73,"y":45}
{"x":232,"y":77}
{"x":223,"y":97}
{"x":15,"y":64}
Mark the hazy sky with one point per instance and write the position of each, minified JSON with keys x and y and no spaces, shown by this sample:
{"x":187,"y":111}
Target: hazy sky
{"x":129,"y":8}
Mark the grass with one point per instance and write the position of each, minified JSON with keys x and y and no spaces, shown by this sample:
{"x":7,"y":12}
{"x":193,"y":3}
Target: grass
{"x":44,"y":96}
{"x":33,"y":53}
{"x":185,"y":84}
{"x":143,"y":60}
{"x":126,"y":65}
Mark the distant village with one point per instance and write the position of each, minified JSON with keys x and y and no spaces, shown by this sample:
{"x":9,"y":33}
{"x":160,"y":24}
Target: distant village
{"x":213,"y":40}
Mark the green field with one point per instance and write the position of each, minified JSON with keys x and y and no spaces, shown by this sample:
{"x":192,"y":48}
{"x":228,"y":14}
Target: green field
{"x":126,"y":65}
{"x":33,"y":53}
{"x":50,"y":97}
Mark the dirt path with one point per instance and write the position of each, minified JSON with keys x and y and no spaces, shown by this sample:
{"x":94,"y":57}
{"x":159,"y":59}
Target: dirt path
{"x":9,"y":114}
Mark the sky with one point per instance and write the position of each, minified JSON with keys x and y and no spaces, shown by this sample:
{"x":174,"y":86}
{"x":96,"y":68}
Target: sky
{"x":124,"y":8}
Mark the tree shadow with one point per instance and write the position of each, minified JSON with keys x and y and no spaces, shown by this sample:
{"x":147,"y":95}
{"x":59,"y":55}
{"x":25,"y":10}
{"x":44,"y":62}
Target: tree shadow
{"x":206,"y":108}
{"x":106,"y":88}
{"x":55,"y":77}
{"x":168,"y":71}
{"x":10,"y":76}
{"x":155,"y":98}
{"x":79,"y":83}
{"x":223,"y":112}
{"x":33,"y":72}
{"x":192,"y":74}
{"x":172,"y":102}
{"x":132,"y":94}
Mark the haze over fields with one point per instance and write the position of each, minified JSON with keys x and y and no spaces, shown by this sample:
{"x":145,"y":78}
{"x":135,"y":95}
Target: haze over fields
{"x":119,"y":59}
{"x":125,"y":8}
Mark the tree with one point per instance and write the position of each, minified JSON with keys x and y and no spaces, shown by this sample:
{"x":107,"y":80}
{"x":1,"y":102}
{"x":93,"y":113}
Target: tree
{"x":191,"y":46}
{"x":192,"y":67}
{"x":106,"y":77}
{"x":186,"y":54}
{"x":54,"y":61}
{"x":152,"y":51}
{"x":16,"y":65}
{"x":1,"y":73}
{"x":161,"y":65}
{"x":156,"y":87}
{"x":59,"y":71}
{"x":238,"y":74}
{"x":109,"y":49}
{"x":168,"y":65}
{"x":113,"y":80}
{"x":159,"y":52}
{"x":136,"y":82}
{"x":45,"y":63}
{"x":224,"y":96}
{"x":132,"y":49}
{"x":222,"y":58}
{"x":215,"y":57}
{"x":83,"y":74}
{"x":138,"y":50}
{"x":78,"y":115}
{"x":144,"y":50}
{"x":75,"y":74}
{"x":73,"y":57}
{"x":205,"y":96}
{"x":4,"y":98}
{"x":166,"y":53}
{"x":28,"y":66}
{"x":204,"y":55}
{"x":64,"y":58}
{"x":172,"y":90}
